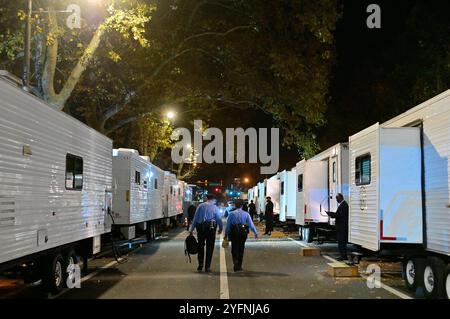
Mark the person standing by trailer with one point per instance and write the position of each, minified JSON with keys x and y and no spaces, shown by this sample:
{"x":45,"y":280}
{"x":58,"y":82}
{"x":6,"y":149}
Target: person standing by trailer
{"x":269,"y":216}
{"x":238,"y":224}
{"x":206,"y":219}
{"x":191,"y":214}
{"x":341,"y":216}
{"x":252,"y":209}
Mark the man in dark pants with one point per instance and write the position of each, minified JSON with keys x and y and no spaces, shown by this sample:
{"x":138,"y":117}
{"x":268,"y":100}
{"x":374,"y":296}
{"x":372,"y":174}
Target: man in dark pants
{"x":238,"y":224}
{"x":206,"y":220}
{"x":269,"y":216}
{"x":252,"y":209}
{"x":341,"y":216}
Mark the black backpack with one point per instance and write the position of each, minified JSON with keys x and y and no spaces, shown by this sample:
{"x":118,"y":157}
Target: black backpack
{"x":190,"y":247}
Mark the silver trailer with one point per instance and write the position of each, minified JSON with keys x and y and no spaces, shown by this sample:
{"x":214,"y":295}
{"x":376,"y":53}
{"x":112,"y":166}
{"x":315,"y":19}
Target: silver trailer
{"x":55,"y":186}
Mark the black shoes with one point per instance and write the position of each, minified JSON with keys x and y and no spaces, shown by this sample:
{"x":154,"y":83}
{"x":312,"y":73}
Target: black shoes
{"x":199,"y":268}
{"x":237,"y":268}
{"x":207,"y":269}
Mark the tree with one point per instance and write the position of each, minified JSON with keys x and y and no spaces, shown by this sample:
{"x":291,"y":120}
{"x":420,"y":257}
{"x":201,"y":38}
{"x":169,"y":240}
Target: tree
{"x":61,"y":55}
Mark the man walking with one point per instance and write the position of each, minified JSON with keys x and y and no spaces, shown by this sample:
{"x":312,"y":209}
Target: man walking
{"x":341,"y":216}
{"x":252,"y":209}
{"x":269,"y":216}
{"x":238,"y":224}
{"x":206,"y":220}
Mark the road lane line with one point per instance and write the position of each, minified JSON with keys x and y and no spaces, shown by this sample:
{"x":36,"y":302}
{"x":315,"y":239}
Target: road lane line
{"x":224,"y":291}
{"x":383,"y":286}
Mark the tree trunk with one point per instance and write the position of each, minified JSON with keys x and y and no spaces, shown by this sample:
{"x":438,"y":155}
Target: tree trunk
{"x":58,"y":100}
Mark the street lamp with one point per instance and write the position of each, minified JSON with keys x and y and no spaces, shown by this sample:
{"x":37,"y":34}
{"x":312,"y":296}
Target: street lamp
{"x":170,"y":115}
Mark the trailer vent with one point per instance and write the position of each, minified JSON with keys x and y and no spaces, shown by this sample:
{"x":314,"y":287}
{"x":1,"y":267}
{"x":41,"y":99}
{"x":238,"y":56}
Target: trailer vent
{"x":7,"y":211}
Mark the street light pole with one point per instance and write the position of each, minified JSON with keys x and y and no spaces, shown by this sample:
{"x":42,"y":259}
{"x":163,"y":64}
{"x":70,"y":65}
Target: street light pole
{"x":27,"y":54}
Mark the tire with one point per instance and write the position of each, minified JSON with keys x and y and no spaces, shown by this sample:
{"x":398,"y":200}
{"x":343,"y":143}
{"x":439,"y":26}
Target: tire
{"x":447,"y":283}
{"x":72,"y":260}
{"x":433,"y":278}
{"x":413,"y":268}
{"x":307,"y":234}
{"x":52,"y":269}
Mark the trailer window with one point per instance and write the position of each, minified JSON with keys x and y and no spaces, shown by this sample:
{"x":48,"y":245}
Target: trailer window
{"x":282,"y":188}
{"x":137,"y":177}
{"x":74,"y":172}
{"x":334,"y":172}
{"x":363,"y":170}
{"x":156,"y":183}
{"x":145,"y":184}
{"x":300,"y":183}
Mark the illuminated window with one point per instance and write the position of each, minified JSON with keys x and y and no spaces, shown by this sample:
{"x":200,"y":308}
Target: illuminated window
{"x":300,"y":183}
{"x":74,"y":172}
{"x":334,"y":172}
{"x":137,"y":177}
{"x":363,"y":170}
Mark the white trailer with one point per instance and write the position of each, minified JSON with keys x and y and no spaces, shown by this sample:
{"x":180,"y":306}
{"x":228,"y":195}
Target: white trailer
{"x":272,"y":185}
{"x":288,"y":200}
{"x":137,"y":196}
{"x":406,"y":199}
{"x":261,"y":197}
{"x":173,"y":197}
{"x":322,"y":178}
{"x":55,"y":186}
{"x":300,"y":193}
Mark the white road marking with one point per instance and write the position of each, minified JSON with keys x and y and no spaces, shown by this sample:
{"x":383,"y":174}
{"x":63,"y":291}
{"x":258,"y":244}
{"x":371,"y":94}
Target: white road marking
{"x":383,"y":286}
{"x":224,"y":291}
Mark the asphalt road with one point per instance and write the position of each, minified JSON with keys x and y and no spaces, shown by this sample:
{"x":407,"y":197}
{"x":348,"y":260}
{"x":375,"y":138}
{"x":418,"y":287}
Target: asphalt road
{"x":273,"y":268}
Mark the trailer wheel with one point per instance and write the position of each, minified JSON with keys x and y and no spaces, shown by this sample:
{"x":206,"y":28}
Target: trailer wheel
{"x":307,"y":234}
{"x":433,"y":277}
{"x":72,"y":261}
{"x":413,"y":272}
{"x":53,"y":268}
{"x":447,"y":283}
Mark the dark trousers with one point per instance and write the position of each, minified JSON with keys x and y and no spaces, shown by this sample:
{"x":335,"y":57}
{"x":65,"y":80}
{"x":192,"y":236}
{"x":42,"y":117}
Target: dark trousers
{"x":238,"y":239}
{"x":207,"y":237}
{"x":342,"y":236}
{"x":269,"y":224}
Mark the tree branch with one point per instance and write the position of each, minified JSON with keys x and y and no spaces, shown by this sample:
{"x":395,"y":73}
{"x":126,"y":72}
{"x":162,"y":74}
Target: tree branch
{"x":218,"y":34}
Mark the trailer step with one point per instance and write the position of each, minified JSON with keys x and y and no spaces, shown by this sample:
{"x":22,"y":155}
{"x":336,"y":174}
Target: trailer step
{"x":339,"y":269}
{"x":309,"y":252}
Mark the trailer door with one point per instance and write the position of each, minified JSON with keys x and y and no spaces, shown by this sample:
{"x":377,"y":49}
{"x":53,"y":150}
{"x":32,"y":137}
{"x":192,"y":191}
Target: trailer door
{"x":333,"y":185}
{"x":316,"y":191}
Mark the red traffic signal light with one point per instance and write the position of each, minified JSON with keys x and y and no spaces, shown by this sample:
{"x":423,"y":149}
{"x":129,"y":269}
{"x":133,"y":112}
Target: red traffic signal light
{"x":217,"y":190}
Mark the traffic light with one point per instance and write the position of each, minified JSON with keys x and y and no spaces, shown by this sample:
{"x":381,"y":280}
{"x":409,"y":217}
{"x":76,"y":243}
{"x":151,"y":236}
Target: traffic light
{"x":217,"y":190}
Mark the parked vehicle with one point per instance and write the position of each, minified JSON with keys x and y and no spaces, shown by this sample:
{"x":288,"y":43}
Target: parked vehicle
{"x":319,"y":180}
{"x":399,"y":197}
{"x":288,"y":200}
{"x":57,"y":191}
{"x":136,"y":192}
{"x":55,"y":186}
{"x":261,"y":207}
{"x":272,"y":190}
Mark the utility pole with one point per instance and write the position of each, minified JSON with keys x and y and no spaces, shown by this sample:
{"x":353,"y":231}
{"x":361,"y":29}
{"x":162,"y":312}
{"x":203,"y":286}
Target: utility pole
{"x":27,"y":53}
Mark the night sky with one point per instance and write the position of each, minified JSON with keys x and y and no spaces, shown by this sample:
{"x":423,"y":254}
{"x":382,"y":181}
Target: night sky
{"x":364,"y":58}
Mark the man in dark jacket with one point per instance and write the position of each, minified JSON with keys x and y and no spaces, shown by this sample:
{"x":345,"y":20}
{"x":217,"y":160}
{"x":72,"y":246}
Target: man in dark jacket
{"x":341,"y":216}
{"x":252,"y":209}
{"x":269,"y":216}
